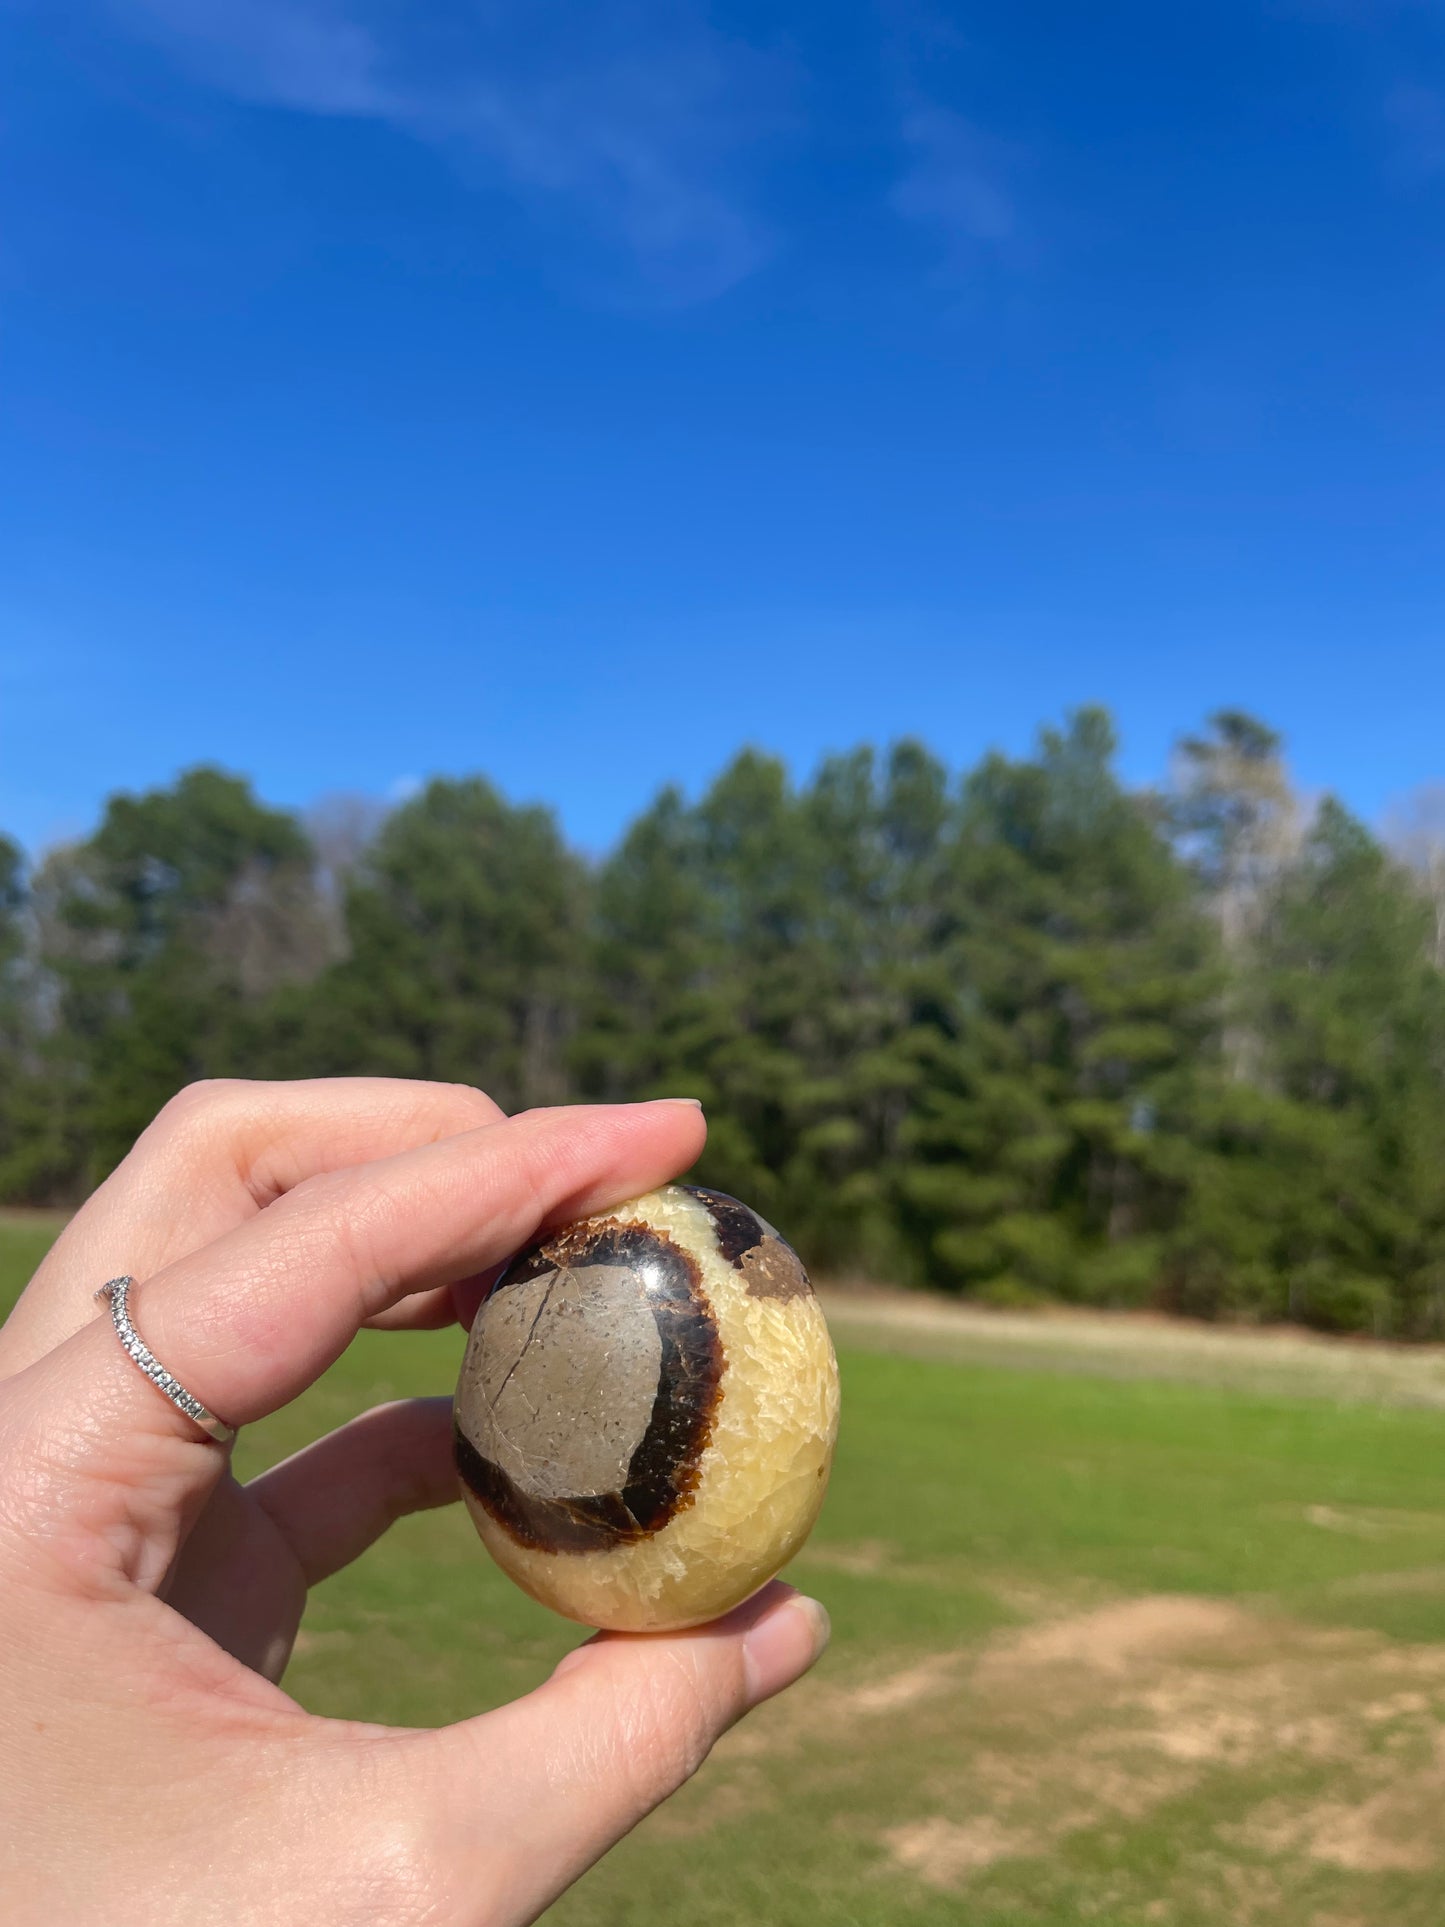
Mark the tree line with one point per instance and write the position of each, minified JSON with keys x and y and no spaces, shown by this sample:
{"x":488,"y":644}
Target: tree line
{"x":1021,"y":1033}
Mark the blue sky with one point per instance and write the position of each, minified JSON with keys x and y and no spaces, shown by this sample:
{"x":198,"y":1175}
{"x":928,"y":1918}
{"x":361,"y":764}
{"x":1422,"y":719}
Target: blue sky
{"x":576,"y":392}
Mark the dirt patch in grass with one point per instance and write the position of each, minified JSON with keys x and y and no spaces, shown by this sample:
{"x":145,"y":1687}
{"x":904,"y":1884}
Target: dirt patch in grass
{"x":1099,"y":1718}
{"x":877,"y":1559}
{"x":1118,"y":1637}
{"x":894,"y":1691}
{"x":943,"y":1852}
{"x":1392,"y":1831}
{"x":1146,"y":1701}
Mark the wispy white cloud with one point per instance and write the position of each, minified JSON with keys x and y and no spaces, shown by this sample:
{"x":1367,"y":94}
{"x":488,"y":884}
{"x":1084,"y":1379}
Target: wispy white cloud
{"x":309,"y":56}
{"x":635,"y":124}
{"x":953,"y":185}
{"x":637,"y":118}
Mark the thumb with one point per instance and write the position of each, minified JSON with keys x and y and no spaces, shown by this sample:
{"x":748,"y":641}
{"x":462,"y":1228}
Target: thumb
{"x":523,"y":1800}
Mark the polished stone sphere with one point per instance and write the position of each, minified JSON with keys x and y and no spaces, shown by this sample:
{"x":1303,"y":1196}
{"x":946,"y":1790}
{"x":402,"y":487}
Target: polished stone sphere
{"x":646,"y":1412}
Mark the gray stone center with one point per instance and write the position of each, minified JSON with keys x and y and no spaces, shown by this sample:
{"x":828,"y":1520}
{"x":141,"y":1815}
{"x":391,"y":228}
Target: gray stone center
{"x":560,"y":1380}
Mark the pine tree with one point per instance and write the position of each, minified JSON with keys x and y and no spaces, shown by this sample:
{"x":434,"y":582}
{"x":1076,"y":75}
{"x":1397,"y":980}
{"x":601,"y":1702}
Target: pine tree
{"x":153,"y":932}
{"x":1318,"y":1189}
{"x":1031,"y":1036}
{"x":1081,"y":978}
{"x":465,"y":925}
{"x":763,"y":950}
{"x":707,"y":967}
{"x":882,"y":845}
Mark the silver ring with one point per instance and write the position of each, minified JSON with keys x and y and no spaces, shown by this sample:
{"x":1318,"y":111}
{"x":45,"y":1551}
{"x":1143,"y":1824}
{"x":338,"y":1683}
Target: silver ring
{"x":115,"y":1294}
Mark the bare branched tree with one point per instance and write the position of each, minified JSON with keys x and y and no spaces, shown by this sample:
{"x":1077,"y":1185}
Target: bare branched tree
{"x":1415,"y":831}
{"x":1238,"y":814}
{"x":275,"y":927}
{"x":1240,"y":825}
{"x":341,"y":829}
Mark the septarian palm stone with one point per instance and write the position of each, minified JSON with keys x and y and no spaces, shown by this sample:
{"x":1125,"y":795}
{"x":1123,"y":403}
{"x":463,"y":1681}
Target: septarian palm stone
{"x":593,"y":1384}
{"x":646,"y":1412}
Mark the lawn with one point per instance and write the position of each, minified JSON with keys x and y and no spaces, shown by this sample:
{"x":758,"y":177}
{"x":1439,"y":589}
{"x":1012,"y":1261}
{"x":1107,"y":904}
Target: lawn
{"x":1109,"y":1648}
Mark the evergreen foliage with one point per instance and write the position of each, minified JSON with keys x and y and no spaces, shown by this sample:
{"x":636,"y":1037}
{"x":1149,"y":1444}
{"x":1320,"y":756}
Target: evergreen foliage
{"x":465,"y":927}
{"x":1024,"y":1034}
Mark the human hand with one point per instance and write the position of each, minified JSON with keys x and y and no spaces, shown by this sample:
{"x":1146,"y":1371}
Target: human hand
{"x":150,"y":1767}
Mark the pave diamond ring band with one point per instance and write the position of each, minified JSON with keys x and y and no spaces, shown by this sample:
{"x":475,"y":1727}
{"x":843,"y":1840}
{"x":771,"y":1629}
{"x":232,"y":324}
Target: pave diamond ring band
{"x":115,"y":1294}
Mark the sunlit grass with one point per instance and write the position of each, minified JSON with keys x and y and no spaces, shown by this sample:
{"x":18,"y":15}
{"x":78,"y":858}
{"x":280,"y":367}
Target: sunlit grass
{"x":1018,"y":1722}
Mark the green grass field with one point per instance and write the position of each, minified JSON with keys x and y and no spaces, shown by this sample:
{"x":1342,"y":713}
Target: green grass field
{"x":1109,"y":1648}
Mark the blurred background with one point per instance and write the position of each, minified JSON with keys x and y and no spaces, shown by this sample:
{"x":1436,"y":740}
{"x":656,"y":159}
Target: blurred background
{"x":878,"y":566}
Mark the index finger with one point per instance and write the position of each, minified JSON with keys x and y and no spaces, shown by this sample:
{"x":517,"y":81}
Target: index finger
{"x":251,"y":1321}
{"x":219,"y":1153}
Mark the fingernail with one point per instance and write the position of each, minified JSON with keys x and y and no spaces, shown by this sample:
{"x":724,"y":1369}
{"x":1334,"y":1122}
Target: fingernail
{"x":696,"y":1102}
{"x":781,"y":1647}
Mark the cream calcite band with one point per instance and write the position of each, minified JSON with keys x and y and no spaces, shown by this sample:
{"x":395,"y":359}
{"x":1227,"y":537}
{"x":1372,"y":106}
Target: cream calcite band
{"x":647,"y":1412}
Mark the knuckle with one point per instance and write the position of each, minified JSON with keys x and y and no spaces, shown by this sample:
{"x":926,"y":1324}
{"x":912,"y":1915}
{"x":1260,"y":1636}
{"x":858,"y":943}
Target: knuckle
{"x":480,"y":1108}
{"x":197,"y":1109}
{"x":349,"y":1222}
